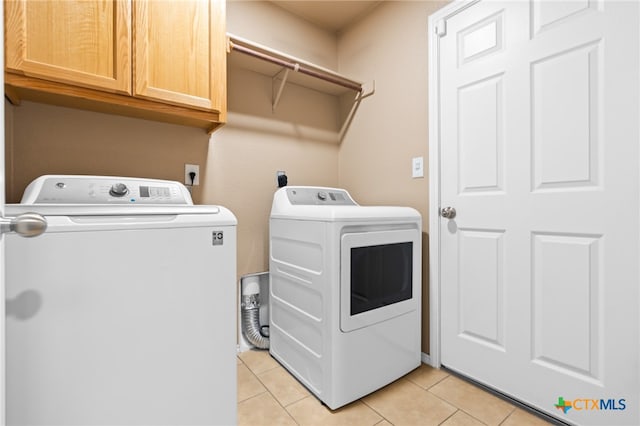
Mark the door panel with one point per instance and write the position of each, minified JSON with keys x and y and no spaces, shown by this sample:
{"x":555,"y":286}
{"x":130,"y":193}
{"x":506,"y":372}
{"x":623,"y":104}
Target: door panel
{"x":539,"y":152}
{"x":481,"y":136}
{"x":481,"y":278}
{"x":554,"y":255}
{"x":549,"y":13}
{"x":566,"y":145}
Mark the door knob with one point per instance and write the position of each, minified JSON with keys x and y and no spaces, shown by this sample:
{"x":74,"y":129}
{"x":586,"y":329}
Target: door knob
{"x":448,"y":212}
{"x":26,"y":225}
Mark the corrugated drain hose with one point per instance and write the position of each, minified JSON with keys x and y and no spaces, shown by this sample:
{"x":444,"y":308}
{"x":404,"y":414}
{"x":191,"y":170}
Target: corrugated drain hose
{"x":251,"y":314}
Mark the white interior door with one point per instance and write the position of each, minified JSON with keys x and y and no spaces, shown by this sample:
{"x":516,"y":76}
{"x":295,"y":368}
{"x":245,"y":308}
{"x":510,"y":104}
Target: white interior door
{"x":539,"y":157}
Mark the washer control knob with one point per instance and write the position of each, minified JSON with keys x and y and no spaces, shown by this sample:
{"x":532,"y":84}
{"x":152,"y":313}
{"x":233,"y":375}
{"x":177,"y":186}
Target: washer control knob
{"x":322,"y":196}
{"x":118,"y":190}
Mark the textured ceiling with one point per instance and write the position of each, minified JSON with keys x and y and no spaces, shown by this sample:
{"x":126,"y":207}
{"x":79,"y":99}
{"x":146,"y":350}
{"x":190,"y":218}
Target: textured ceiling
{"x":332,"y":16}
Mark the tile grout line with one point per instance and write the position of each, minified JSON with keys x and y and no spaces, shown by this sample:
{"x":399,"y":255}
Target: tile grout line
{"x":451,"y":403}
{"x":266,"y":390}
{"x":452,"y":414}
{"x":251,"y":397}
{"x":456,"y":407}
{"x":297,"y":400}
{"x":290,"y":375}
{"x":509,"y":415}
{"x":260,"y":352}
{"x":517,"y":405}
{"x":475,"y":386}
{"x":383,"y":418}
{"x":375,"y":411}
{"x":273,"y":396}
{"x":435,"y":384}
{"x":269,"y":369}
{"x":514,"y":407}
{"x":468,"y":413}
{"x":475,"y":418}
{"x":405,"y":377}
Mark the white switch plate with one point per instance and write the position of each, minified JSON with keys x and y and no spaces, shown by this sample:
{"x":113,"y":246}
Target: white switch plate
{"x":191,"y":168}
{"x":417,"y":167}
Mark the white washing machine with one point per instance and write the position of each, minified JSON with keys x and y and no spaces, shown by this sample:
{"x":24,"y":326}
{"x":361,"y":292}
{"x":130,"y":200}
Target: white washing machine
{"x":345,"y":292}
{"x":123,"y":311}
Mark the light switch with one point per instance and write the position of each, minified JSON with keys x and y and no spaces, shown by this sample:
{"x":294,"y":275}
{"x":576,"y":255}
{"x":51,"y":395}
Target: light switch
{"x":417,"y":167}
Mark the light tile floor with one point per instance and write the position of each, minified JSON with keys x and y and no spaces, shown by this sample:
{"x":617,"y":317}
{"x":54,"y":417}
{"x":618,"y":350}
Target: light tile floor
{"x":269,"y":395}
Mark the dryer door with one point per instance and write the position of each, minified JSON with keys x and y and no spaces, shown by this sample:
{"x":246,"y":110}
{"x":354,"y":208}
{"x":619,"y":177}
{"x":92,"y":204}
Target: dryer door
{"x":379,"y":276}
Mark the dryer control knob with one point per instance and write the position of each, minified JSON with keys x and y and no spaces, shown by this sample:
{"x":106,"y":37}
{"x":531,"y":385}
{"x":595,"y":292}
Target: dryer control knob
{"x":118,"y":190}
{"x":322,"y":196}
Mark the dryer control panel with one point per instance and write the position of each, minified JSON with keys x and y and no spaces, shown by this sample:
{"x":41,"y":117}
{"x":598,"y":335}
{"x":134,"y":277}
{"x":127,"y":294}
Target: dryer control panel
{"x":66,"y":189}
{"x":309,"y":196}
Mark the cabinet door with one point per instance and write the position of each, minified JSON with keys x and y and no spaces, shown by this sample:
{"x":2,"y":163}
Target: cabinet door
{"x":80,"y":42}
{"x":180,"y":52}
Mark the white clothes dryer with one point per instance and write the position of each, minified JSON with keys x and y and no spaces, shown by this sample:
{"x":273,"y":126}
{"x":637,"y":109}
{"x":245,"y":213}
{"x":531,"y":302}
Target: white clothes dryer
{"x":123,"y":311}
{"x":345,"y":292}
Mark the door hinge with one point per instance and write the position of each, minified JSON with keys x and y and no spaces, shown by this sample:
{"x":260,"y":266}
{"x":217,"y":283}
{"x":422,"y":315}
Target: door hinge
{"x":441,"y":28}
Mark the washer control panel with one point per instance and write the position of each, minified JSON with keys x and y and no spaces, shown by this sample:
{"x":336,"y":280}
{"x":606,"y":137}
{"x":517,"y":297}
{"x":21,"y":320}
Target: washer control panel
{"x":65,"y":189}
{"x":308,"y":196}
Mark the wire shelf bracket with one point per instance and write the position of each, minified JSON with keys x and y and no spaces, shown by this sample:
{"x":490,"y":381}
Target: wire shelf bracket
{"x":304,"y":73}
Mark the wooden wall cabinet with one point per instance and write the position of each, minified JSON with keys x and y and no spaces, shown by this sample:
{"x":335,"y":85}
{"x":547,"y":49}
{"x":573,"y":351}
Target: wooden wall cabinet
{"x":85,"y":43}
{"x":178,"y":52}
{"x":161,"y":60}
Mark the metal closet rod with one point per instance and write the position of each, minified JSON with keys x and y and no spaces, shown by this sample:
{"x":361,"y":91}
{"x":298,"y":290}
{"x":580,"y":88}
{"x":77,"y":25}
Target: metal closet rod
{"x":295,"y":67}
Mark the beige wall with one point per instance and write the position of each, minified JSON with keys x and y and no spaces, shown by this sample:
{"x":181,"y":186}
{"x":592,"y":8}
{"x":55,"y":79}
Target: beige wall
{"x":238,"y":163}
{"x":245,"y":155}
{"x":299,"y":137}
{"x":45,"y":139}
{"x":269,"y":25}
{"x":390,"y":46}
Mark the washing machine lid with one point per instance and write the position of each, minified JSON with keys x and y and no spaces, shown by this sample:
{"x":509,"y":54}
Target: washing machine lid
{"x":332,"y":205}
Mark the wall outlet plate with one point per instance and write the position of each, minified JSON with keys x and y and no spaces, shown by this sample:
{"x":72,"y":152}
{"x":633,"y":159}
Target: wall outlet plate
{"x":188,"y":168}
{"x":278,"y":174}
